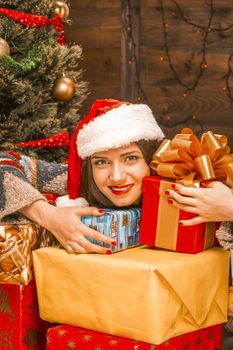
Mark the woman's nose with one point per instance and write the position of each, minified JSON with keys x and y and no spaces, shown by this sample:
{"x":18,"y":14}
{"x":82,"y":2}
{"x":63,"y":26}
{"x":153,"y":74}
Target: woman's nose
{"x":118,"y":173}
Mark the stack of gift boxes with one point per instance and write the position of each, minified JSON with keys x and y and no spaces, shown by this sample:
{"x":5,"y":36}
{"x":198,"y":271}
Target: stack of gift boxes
{"x":21,"y":327}
{"x":168,"y":291}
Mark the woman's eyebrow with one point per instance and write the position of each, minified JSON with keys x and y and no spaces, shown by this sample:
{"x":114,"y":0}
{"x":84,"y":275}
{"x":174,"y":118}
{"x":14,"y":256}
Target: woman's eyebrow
{"x":131,"y":152}
{"x":97,"y":157}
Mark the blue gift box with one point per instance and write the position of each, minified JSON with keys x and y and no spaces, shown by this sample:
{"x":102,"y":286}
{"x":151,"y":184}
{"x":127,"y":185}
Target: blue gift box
{"x":121,"y":225}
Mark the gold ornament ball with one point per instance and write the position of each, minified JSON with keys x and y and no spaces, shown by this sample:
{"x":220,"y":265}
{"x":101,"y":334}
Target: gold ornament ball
{"x":64,"y":89}
{"x":4,"y":48}
{"x":62,"y":9}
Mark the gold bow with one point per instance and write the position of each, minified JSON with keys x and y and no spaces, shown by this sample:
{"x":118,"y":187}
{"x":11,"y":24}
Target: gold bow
{"x":190,"y":161}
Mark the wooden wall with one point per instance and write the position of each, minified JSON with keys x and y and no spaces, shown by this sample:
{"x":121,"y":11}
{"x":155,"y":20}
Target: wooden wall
{"x":97,"y":26}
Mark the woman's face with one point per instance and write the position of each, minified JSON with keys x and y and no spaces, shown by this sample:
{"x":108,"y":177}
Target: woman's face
{"x":118,"y":174}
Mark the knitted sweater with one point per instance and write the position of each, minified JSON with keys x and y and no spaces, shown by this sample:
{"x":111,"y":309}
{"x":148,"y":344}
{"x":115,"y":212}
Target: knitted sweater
{"x":23,"y":180}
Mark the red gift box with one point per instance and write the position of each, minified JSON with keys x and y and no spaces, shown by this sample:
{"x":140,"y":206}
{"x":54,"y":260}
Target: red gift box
{"x":21,"y":328}
{"x":159,"y":222}
{"x":65,"y":337}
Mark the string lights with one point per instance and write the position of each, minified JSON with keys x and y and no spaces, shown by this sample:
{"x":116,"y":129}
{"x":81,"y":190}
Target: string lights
{"x":206,"y":30}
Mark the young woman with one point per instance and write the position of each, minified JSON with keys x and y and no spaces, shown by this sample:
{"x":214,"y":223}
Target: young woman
{"x":109,"y":155}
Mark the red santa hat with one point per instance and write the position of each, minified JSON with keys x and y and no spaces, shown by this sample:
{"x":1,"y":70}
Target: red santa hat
{"x":110,"y":124}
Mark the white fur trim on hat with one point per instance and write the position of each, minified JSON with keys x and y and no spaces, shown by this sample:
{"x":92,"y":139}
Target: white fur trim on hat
{"x":117,"y":128}
{"x":65,"y":201}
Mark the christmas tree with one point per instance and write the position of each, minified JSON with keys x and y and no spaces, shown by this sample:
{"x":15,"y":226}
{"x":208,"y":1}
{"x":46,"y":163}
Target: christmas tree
{"x":41,"y":89}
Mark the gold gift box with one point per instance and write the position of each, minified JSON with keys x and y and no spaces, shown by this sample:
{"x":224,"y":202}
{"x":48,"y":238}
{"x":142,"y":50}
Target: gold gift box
{"x":140,"y":293}
{"x":16,"y":244}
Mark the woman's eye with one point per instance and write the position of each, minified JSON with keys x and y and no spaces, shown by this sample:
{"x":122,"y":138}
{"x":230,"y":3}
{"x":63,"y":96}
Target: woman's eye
{"x":100,"y":162}
{"x":131,"y":158}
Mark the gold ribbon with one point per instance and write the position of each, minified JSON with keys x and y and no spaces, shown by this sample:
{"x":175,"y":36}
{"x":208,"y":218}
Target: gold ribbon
{"x":16,"y":244}
{"x":189,"y":160}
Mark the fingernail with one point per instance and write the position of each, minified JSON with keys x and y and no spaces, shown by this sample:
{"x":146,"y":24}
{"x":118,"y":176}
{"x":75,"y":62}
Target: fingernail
{"x":167,"y":193}
{"x":101,"y":211}
{"x":174,"y":186}
{"x":170,"y":201}
{"x":108,"y":251}
{"x":180,"y":223}
{"x":114,"y":243}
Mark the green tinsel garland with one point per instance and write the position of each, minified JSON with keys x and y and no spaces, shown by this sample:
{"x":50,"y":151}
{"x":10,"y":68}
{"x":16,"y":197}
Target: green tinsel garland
{"x":35,"y":56}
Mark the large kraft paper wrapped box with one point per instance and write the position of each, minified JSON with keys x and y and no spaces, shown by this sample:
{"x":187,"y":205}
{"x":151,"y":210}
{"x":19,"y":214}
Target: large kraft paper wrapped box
{"x":140,"y":293}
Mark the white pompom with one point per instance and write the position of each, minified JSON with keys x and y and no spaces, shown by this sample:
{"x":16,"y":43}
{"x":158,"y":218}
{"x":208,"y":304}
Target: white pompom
{"x":65,"y":201}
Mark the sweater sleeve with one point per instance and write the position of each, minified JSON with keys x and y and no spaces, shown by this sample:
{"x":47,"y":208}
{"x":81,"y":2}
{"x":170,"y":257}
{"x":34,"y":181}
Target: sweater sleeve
{"x":225,"y":235}
{"x":22,"y":179}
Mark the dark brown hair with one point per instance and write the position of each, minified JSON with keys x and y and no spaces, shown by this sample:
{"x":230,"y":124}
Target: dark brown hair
{"x":90,"y":191}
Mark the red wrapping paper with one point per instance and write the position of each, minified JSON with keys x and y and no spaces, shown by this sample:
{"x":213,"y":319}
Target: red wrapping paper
{"x":21,"y":328}
{"x":65,"y":337}
{"x":188,"y":239}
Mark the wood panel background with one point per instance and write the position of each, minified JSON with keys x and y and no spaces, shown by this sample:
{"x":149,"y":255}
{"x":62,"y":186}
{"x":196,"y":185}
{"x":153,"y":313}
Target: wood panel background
{"x":97,"y":27}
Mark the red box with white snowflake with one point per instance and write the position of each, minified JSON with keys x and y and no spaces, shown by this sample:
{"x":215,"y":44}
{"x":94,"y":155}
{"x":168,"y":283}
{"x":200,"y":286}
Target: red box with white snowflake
{"x":65,"y":337}
{"x":21,"y":328}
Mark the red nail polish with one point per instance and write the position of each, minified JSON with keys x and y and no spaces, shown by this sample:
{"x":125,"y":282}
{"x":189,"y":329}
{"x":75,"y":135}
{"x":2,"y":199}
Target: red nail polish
{"x":108,"y":251}
{"x":180,"y":223}
{"x":101,"y":211}
{"x":113,"y":244}
{"x":174,"y":186}
{"x":170,"y":201}
{"x":167,"y":192}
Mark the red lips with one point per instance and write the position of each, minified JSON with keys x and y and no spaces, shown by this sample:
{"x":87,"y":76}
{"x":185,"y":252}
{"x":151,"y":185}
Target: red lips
{"x":119,"y":190}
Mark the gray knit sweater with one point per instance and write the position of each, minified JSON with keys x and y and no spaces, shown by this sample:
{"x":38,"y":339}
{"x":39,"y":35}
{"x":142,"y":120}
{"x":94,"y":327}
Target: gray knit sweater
{"x":23,"y":180}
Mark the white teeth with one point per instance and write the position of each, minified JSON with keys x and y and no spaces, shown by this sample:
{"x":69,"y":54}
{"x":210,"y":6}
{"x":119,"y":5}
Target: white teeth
{"x":120,"y":189}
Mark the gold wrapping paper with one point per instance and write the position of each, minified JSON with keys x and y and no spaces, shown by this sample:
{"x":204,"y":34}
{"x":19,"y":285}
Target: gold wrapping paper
{"x":16,"y":244}
{"x":140,"y":293}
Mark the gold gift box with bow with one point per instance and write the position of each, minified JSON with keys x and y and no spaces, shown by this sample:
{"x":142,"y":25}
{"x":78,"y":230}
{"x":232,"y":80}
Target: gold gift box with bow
{"x":140,"y":293}
{"x":16,"y":244}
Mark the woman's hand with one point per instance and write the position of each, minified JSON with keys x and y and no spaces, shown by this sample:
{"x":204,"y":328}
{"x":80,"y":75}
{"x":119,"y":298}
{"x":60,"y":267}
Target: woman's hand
{"x":65,"y":224}
{"x":212,"y":203}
